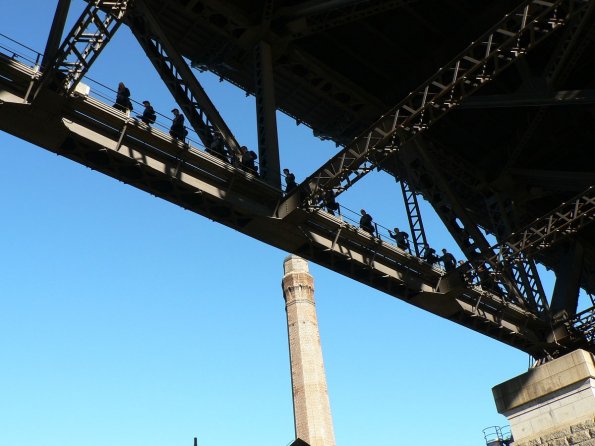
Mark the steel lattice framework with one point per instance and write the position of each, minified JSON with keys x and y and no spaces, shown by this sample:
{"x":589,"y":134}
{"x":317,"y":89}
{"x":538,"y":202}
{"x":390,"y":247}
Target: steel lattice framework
{"x":509,"y":40}
{"x":96,"y":26}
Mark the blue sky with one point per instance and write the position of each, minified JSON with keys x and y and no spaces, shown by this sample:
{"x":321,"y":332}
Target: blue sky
{"x":125,"y":320}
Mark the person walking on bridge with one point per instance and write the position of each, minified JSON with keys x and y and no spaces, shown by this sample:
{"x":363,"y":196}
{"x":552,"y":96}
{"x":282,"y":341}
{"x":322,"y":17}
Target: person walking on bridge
{"x":148,"y":116}
{"x":123,"y":102}
{"x":290,"y":183}
{"x":448,"y":260}
{"x":177,"y":129}
{"x":401,"y":237}
{"x":365,"y":222}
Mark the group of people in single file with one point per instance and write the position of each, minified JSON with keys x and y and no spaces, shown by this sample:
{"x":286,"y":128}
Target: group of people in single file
{"x":247,"y":161}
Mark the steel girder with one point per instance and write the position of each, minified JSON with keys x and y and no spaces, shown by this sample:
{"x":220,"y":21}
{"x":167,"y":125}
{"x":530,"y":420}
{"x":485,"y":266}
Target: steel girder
{"x":557,"y":71}
{"x":584,"y":324}
{"x":523,"y":270}
{"x":418,"y":234}
{"x":509,"y":40}
{"x":564,"y":221}
{"x":567,"y":220}
{"x":559,"y":98}
{"x":90,"y":34}
{"x":319,"y":17}
{"x":55,"y":36}
{"x":179,"y":78}
{"x":441,"y":187}
{"x":455,"y":179}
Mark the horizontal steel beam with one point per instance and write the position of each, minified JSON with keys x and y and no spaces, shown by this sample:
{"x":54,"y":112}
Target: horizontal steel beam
{"x":559,"y":98}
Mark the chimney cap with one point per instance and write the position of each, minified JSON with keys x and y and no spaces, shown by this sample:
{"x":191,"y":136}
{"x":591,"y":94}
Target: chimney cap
{"x":293,"y":263}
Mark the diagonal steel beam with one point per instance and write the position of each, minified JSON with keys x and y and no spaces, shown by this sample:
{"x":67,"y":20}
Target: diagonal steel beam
{"x":522,"y":270}
{"x":548,"y":230}
{"x":55,"y":36}
{"x":562,"y":222}
{"x":440,"y":188}
{"x":416,"y":226}
{"x":90,"y":34}
{"x":179,"y":78}
{"x":509,"y":40}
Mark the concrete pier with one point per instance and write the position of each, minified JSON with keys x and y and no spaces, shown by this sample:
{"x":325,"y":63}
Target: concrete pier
{"x":311,"y":407}
{"x":552,"y":404}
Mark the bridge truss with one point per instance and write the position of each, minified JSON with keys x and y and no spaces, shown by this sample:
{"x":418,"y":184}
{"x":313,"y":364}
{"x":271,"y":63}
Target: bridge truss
{"x":497,"y":292}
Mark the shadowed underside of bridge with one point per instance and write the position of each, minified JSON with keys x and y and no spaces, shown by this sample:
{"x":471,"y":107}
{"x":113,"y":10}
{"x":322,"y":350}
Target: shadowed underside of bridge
{"x":498,"y":158}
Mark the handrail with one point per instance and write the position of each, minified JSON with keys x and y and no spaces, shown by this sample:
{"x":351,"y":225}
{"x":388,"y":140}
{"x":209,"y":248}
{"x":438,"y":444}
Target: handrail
{"x":38,"y":55}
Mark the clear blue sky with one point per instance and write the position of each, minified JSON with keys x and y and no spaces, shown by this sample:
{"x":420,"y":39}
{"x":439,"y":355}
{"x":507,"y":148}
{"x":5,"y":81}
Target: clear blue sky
{"x":127,"y":321}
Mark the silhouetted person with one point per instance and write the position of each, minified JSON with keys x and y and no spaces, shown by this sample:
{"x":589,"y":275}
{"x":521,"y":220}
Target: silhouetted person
{"x":448,"y":260}
{"x":465,"y":271}
{"x":217,"y":147}
{"x":329,"y":202}
{"x":290,"y":183}
{"x":148,"y":116}
{"x":430,"y":255}
{"x":365,"y":222}
{"x":123,"y":102}
{"x":401,"y":237}
{"x":247,"y":160}
{"x":178,"y":130}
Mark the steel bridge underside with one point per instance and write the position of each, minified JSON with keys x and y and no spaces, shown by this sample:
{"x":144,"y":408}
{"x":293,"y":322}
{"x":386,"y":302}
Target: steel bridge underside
{"x":92,"y":133}
{"x":511,"y":152}
{"x":527,"y":137}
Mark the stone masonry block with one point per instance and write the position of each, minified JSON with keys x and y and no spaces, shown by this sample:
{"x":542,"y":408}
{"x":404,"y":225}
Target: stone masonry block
{"x":589,"y":424}
{"x":579,"y":437}
{"x":590,"y":442}
{"x":558,"y":442}
{"x":555,"y":435}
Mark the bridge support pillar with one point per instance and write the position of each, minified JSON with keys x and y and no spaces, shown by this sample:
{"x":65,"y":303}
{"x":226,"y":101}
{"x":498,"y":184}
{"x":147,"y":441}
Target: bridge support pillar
{"x":552,"y":404}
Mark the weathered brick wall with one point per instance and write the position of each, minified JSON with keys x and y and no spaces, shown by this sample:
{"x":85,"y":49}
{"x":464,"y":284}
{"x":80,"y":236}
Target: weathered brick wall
{"x":580,"y":434}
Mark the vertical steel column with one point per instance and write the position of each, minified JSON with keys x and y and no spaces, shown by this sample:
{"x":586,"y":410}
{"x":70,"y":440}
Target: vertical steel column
{"x":568,"y":278}
{"x":56,"y":31}
{"x":266,"y":121}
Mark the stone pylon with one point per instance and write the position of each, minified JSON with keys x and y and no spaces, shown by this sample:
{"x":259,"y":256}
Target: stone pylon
{"x":311,"y":407}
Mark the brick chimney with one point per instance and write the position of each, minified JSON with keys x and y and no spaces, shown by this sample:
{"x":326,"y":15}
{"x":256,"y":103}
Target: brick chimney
{"x":311,"y":407}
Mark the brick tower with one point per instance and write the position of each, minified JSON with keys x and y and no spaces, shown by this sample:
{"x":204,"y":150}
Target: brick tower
{"x":311,"y":407}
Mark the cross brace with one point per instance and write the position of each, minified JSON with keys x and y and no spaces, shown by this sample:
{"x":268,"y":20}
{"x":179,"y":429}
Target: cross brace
{"x":90,"y":34}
